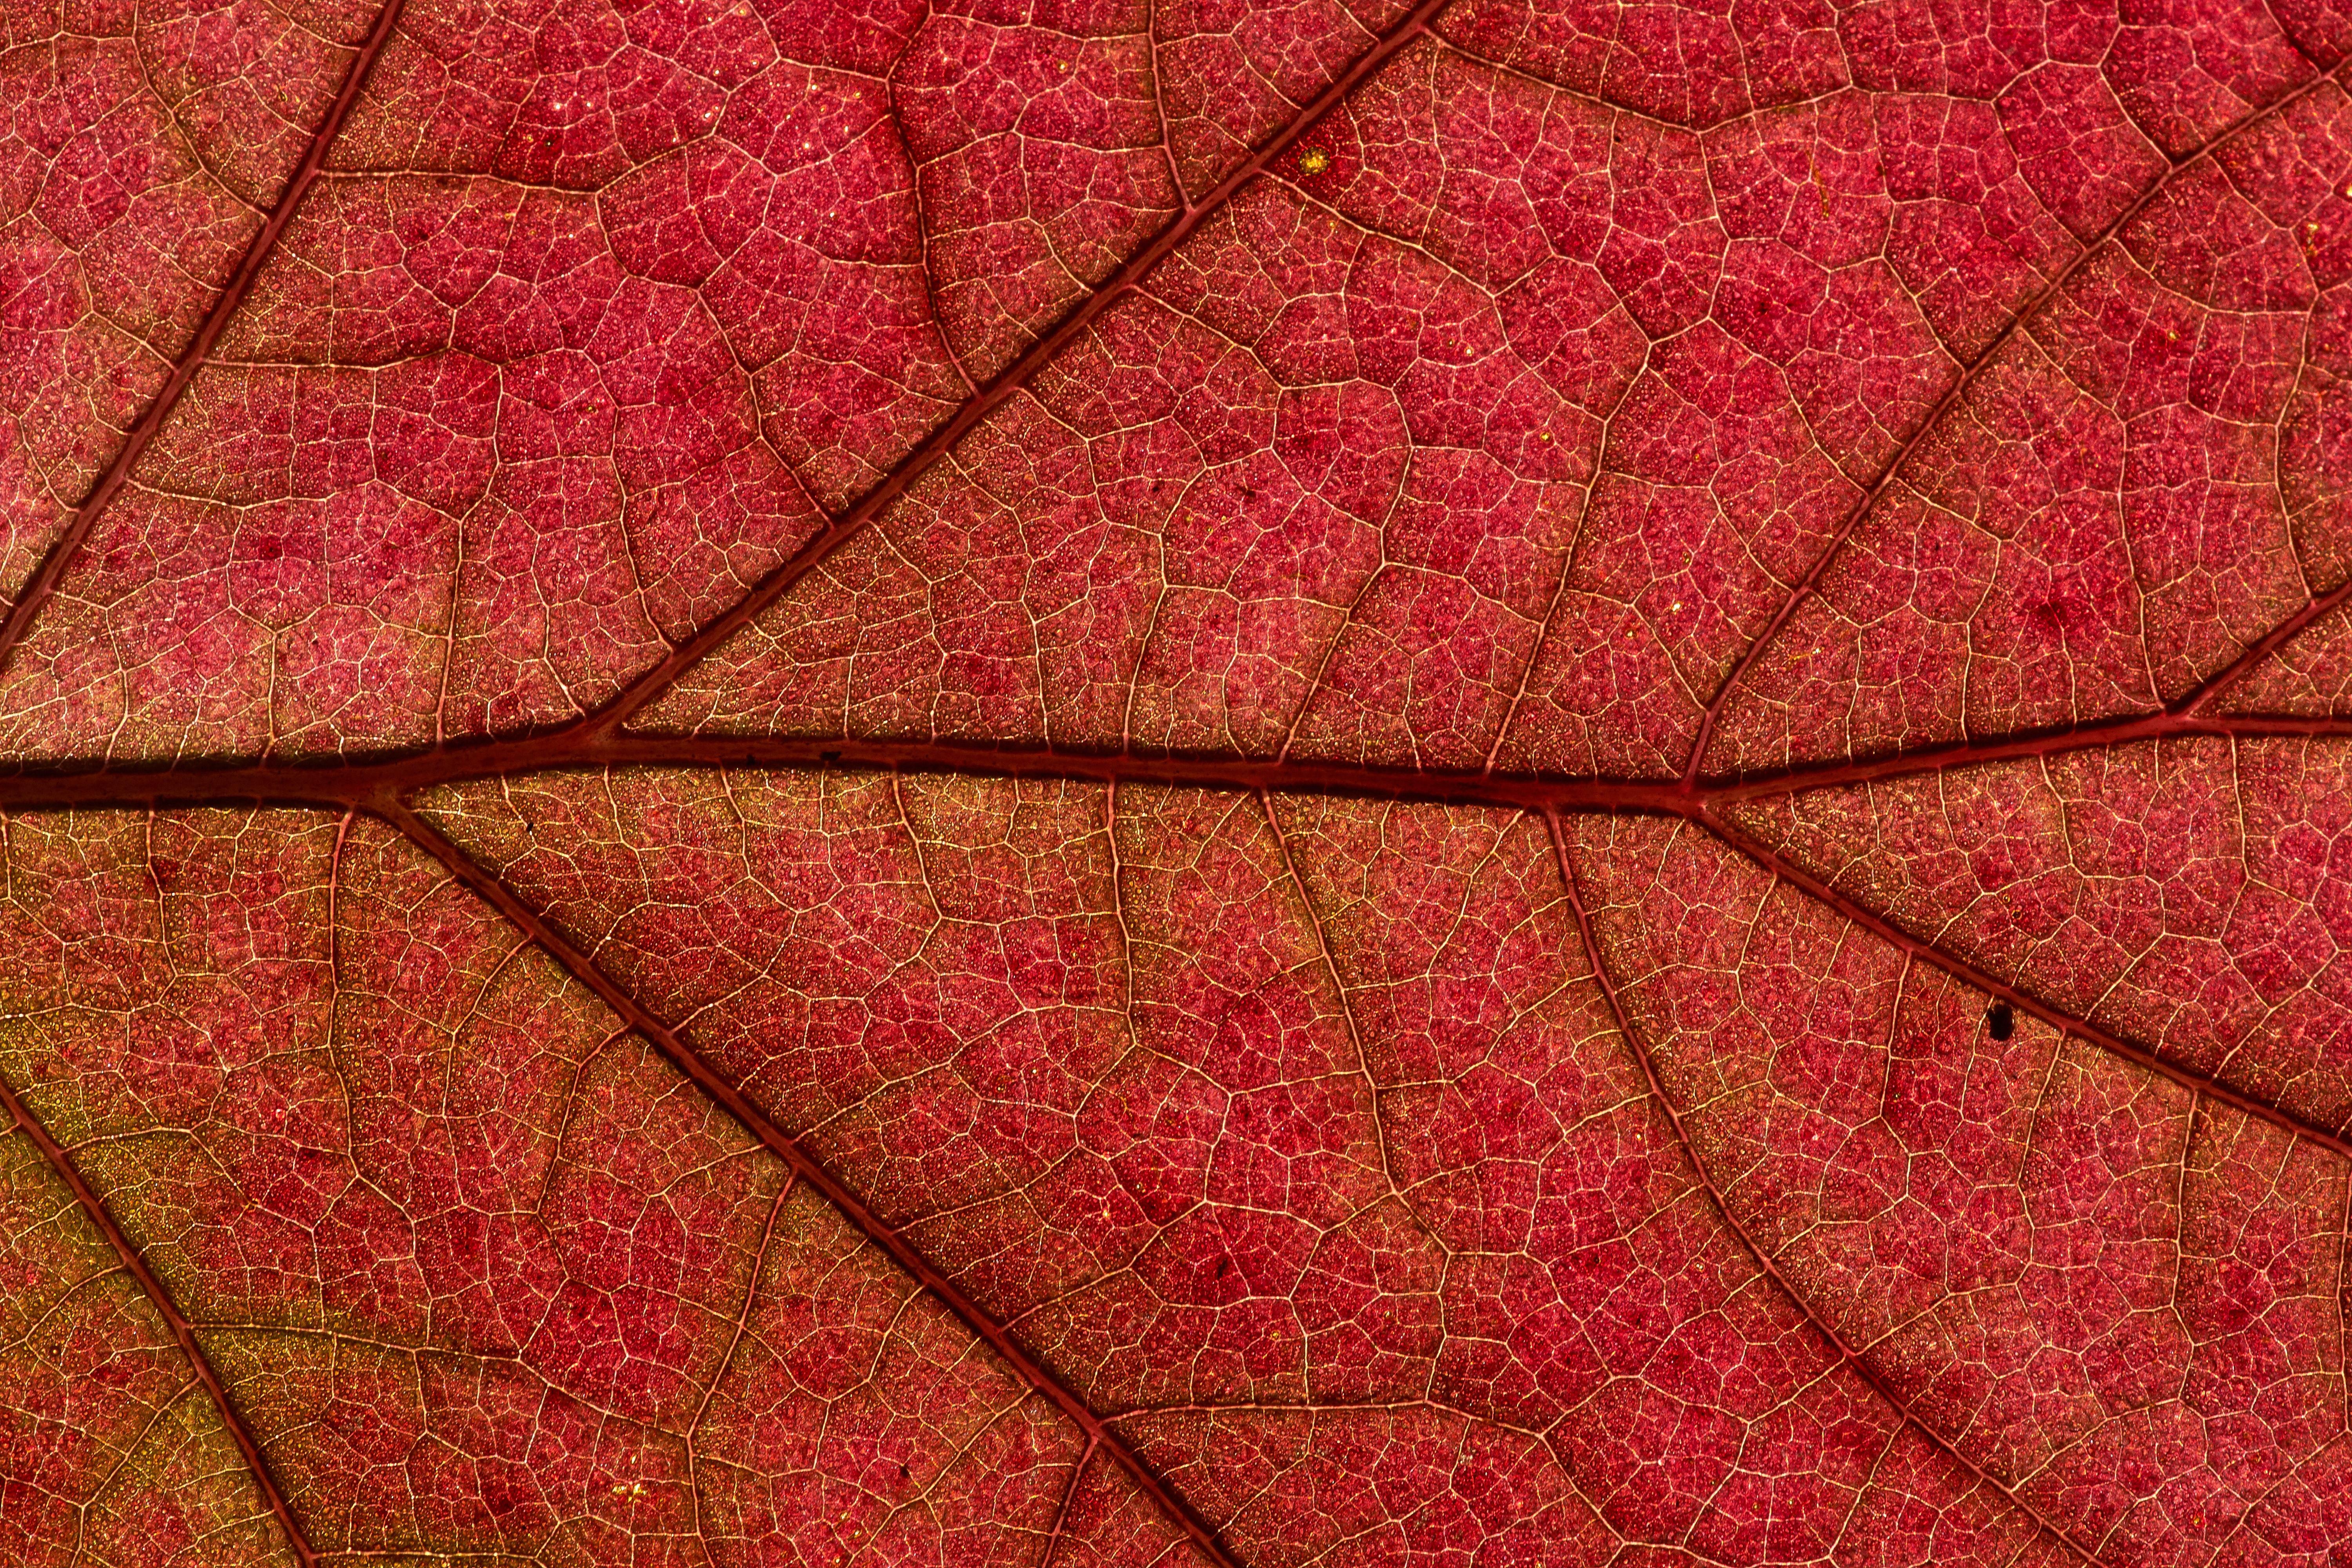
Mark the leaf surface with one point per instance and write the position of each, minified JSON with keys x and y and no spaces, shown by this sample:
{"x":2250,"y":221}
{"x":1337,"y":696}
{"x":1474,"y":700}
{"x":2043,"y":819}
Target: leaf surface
{"x":1088,"y":782}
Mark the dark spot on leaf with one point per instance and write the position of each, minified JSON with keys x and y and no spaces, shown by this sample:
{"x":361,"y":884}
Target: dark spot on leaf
{"x":1999,"y":1022}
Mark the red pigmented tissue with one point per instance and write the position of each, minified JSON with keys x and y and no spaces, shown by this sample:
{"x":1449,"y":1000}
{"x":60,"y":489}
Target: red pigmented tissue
{"x":1054,"y":782}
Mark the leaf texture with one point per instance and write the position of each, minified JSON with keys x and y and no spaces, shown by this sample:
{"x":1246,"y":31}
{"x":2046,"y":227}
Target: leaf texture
{"x":1062,"y":781}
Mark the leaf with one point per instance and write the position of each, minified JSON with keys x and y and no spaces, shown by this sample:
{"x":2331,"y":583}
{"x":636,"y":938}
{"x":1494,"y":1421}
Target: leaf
{"x":866,"y":783}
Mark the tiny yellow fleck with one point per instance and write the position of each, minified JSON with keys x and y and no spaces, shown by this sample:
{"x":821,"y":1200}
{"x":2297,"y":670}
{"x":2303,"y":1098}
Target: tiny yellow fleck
{"x":1313,"y":161}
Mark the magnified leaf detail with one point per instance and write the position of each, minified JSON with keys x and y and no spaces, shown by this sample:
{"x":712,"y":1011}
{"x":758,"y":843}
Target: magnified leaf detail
{"x":1051,"y":781}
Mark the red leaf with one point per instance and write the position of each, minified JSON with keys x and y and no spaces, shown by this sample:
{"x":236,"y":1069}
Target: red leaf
{"x":1039,"y":784}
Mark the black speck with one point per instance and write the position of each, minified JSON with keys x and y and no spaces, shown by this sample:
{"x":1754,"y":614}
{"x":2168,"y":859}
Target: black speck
{"x":1999,"y":1022}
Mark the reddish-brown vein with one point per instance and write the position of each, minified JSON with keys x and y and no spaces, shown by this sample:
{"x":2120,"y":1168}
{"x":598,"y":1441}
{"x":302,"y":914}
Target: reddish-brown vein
{"x":923,"y":238}
{"x":1347,"y":1015}
{"x":1069,"y":1499}
{"x":1560,"y":591}
{"x":1852,"y":1358}
{"x":1943,"y":405}
{"x":2344,"y":1302}
{"x":173,"y":1318}
{"x":2167,"y":726}
{"x":2181,"y":719}
{"x":2277,"y":637}
{"x":61,"y":555}
{"x":981,"y":1324}
{"x":130,"y":1450}
{"x":1159,"y":106}
{"x":2025,"y":1002}
{"x":1016,"y":375}
{"x":734,"y":1343}
{"x":343,"y":785}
